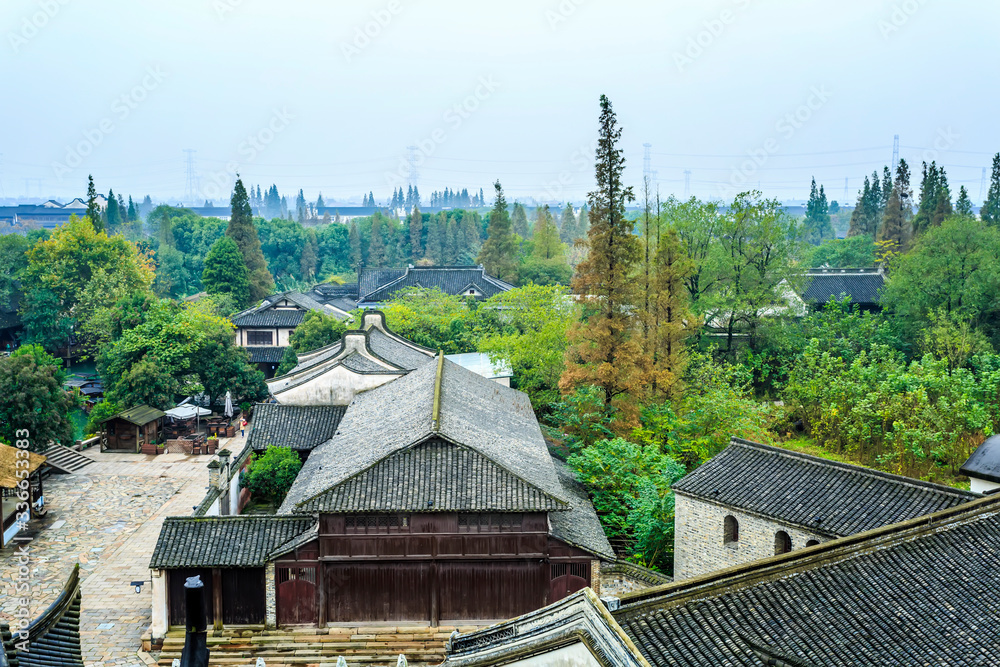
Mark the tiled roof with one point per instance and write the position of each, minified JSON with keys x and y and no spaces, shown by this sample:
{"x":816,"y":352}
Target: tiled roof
{"x":862,"y":285}
{"x":579,"y":526}
{"x":53,"y":637}
{"x":229,"y":541}
{"x":449,"y":279}
{"x":285,"y":317}
{"x":496,"y":421}
{"x":823,"y":496}
{"x":396,"y":352}
{"x":139,"y":415}
{"x":434,"y":476}
{"x":985,"y":461}
{"x":361,"y":364}
{"x":294,"y":426}
{"x":371,"y":279}
{"x":266,"y":354}
{"x":919,"y":593}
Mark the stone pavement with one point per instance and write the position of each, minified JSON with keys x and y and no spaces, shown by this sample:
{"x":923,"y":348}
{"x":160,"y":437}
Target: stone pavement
{"x":108,"y":518}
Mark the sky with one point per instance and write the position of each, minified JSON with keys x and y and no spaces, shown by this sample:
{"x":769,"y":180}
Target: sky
{"x":328,"y":96}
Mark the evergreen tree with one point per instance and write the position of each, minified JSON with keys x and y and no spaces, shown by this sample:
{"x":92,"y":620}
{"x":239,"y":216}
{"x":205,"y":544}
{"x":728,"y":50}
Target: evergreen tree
{"x":499,"y":252}
{"x":905,"y":191}
{"x":416,"y":196}
{"x":942,"y":195}
{"x":546,"y":243}
{"x":226,"y":272}
{"x":112,"y":213}
{"x":604,"y":349}
{"x":886,"y":187}
{"x":354,"y":239}
{"x":894,"y":230}
{"x":672,"y":317}
{"x":482,"y":201}
{"x":93,"y":208}
{"x":133,"y":212}
{"x":416,"y":233}
{"x":309,"y":257}
{"x":963,"y":205}
{"x":451,"y":243}
{"x":435,"y":239}
{"x":409,"y":197}
{"x":990,"y":209}
{"x":519,"y":221}
{"x":320,"y":203}
{"x":928,"y":198}
{"x":583,"y":223}
{"x":242,"y":231}
{"x":376,"y":244}
{"x":567,"y":227}
{"x":860,"y":222}
{"x":470,"y":234}
{"x":817,"y":225}
{"x":300,"y":207}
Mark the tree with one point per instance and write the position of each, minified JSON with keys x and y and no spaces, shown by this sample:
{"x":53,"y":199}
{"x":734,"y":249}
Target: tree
{"x":433,"y":319}
{"x":435,"y":239}
{"x":547,"y":263}
{"x":300,"y":207}
{"x":270,"y":477}
{"x":33,"y":400}
{"x":289,"y":360}
{"x":93,"y":208}
{"x":942,"y":206}
{"x":499,"y":252}
{"x":545,"y":242}
{"x":416,"y":233}
{"x":672,"y":319}
{"x":604,"y":350}
{"x":13,"y":261}
{"x":241,"y":230}
{"x":583,"y":223}
{"x":319,"y":202}
{"x":113,"y":213}
{"x":852,"y":252}
{"x":376,"y":245}
{"x":226,"y":273}
{"x":933,"y":186}
{"x":963,"y":205}
{"x":817,"y":226}
{"x":74,"y":279}
{"x":990,"y":209}
{"x":354,"y":239}
{"x":519,"y":221}
{"x":894,"y":231}
{"x":567,"y":227}
{"x":316,"y":330}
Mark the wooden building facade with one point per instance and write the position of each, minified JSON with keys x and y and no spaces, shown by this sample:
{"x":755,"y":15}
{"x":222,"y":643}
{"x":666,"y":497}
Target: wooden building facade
{"x":130,"y":429}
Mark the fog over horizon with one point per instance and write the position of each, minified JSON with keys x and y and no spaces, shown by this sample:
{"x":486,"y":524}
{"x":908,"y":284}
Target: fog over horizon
{"x":328,"y":97}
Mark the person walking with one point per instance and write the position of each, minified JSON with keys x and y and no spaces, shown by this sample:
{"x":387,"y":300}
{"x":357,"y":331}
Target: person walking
{"x":243,"y":427}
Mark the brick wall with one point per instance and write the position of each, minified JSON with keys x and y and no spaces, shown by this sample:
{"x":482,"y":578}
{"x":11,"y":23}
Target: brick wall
{"x":699,"y":537}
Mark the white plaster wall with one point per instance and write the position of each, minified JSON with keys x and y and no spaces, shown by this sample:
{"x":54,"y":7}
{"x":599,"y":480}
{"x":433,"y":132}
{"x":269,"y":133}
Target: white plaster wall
{"x":574,"y":655}
{"x":338,"y":386}
{"x":158,"y":627}
{"x":234,"y":493}
{"x":982,"y":485}
{"x":699,"y":537}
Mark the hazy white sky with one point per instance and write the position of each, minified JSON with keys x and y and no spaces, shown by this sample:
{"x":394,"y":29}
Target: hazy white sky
{"x":296,"y":93}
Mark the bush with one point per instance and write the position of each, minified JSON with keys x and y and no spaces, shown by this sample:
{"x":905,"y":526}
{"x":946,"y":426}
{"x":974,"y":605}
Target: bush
{"x":271,"y":476}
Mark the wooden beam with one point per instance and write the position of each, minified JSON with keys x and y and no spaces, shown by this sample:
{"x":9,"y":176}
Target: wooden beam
{"x":321,"y":595}
{"x":217,"y":597}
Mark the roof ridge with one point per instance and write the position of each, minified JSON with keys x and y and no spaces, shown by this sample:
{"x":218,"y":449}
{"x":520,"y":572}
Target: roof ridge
{"x":853,"y":467}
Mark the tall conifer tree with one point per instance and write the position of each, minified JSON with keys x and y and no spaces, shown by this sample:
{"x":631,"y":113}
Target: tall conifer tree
{"x":93,"y":208}
{"x":604,"y":347}
{"x":990,"y":209}
{"x":963,"y":205}
{"x":499,"y":252}
{"x":672,"y":314}
{"x":567,"y":226}
{"x":519,"y":221}
{"x":416,"y":233}
{"x":242,"y":231}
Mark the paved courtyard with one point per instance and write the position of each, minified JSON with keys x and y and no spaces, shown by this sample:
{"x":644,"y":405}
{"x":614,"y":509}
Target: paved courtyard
{"x":107,"y":518}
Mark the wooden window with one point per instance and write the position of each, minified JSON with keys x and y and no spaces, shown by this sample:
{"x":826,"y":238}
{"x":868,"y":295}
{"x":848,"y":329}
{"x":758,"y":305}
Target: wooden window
{"x":259,"y":338}
{"x":812,"y":543}
{"x":376,"y":523}
{"x":731,"y":530}
{"x":489,"y":523}
{"x":782,"y":543}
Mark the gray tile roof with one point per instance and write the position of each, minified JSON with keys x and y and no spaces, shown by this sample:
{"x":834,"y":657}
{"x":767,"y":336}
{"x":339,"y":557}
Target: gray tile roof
{"x":300,"y":427}
{"x":862,"y":285}
{"x":265,"y":354}
{"x":398,"y":353}
{"x":285,"y":317}
{"x":362,"y":364}
{"x":920,"y":593}
{"x":373,"y":278}
{"x":579,"y":526}
{"x":449,"y":279}
{"x":496,"y":421}
{"x":53,"y":637}
{"x":985,"y":461}
{"x":799,"y":489}
{"x":434,"y":476}
{"x":225,"y":541}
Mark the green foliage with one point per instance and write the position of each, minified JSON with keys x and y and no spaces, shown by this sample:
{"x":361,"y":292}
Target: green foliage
{"x":226,"y":273}
{"x":34,"y":400}
{"x":630,"y":488}
{"x":433,"y":319}
{"x":289,"y":360}
{"x":42,"y":358}
{"x":317,"y":330}
{"x":852,"y":252}
{"x":990,"y":210}
{"x":241,"y":230}
{"x":817,"y":226}
{"x":499,"y":252}
{"x":99,"y":413}
{"x":13,"y":261}
{"x":270,"y":476}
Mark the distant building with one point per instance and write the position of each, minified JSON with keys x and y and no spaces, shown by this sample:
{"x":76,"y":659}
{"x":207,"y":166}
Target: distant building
{"x":862,"y":286}
{"x":983,"y":467}
{"x":49,"y":215}
{"x":264,"y":330}
{"x":378,"y":285}
{"x":752,"y":501}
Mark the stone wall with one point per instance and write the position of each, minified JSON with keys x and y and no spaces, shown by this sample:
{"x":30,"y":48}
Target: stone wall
{"x":699,"y":537}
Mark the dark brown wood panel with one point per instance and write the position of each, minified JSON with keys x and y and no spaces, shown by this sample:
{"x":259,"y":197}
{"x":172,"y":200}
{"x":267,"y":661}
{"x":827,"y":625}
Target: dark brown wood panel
{"x":176,"y":601}
{"x":373,"y":592}
{"x":475,"y":590}
{"x":296,"y":594}
{"x":243,"y":600}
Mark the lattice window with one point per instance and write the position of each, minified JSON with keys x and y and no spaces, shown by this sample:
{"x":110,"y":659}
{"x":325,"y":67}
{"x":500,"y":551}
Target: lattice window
{"x":489,"y":523}
{"x":260,"y":338}
{"x":283,"y":574}
{"x":581,"y":570}
{"x":376,"y":523}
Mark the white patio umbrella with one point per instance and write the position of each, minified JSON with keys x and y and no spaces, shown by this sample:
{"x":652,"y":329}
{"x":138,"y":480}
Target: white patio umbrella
{"x":229,"y":404}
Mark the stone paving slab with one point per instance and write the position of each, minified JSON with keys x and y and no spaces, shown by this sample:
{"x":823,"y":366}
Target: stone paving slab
{"x":107,"y":518}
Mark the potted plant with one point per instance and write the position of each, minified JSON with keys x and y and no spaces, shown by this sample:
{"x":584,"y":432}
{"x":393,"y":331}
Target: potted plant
{"x":212,"y":443}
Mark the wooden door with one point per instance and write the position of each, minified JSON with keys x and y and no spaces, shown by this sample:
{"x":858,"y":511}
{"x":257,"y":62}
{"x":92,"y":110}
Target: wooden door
{"x":378,"y":592}
{"x":243,"y":599}
{"x":568,"y":578}
{"x":176,"y":601}
{"x":296,"y":595}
